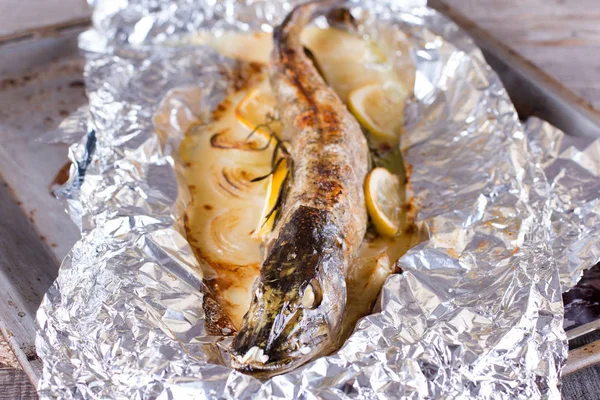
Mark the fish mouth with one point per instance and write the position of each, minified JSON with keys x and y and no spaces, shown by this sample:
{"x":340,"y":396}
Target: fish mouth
{"x":256,"y":351}
{"x":257,"y":362}
{"x":255,"y":365}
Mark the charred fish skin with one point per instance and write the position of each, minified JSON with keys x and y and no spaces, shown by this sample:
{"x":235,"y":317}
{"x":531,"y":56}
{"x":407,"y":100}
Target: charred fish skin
{"x":300,"y":295}
{"x":297,"y":293}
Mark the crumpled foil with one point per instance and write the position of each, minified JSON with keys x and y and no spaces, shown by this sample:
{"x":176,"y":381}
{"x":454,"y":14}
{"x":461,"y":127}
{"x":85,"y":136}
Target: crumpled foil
{"x":512,"y":213}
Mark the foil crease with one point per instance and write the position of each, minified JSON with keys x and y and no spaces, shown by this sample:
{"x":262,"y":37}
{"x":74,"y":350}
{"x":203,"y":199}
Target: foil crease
{"x":572,"y":168}
{"x":511,"y":211}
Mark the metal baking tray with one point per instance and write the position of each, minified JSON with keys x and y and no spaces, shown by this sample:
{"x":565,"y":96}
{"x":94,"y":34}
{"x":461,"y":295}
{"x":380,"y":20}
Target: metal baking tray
{"x":41,"y":82}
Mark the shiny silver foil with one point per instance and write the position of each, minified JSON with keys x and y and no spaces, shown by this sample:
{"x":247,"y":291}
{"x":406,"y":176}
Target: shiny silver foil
{"x":512,"y":213}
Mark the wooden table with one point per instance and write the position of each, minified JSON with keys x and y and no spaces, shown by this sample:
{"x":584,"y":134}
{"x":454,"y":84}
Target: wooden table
{"x":560,"y":36}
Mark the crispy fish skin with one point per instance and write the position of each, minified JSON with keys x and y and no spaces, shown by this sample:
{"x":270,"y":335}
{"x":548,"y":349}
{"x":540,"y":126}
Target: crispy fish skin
{"x":300,"y":295}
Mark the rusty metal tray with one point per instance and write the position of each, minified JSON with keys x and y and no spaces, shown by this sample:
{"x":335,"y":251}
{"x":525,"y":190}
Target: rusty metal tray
{"x":41,"y":82}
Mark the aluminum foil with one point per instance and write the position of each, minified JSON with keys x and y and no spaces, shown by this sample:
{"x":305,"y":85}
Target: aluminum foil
{"x":511,"y":211}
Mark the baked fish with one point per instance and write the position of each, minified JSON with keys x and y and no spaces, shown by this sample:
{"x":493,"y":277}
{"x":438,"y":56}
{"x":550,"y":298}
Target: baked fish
{"x":300,"y":295}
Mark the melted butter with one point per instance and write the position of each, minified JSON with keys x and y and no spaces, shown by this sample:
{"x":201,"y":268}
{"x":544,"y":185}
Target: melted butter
{"x":225,"y":206}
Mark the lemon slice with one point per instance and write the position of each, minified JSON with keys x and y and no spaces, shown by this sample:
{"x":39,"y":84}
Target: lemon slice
{"x":347,"y":60}
{"x":276,"y":180}
{"x":256,"y":111}
{"x":383,"y":196}
{"x":380,"y":108}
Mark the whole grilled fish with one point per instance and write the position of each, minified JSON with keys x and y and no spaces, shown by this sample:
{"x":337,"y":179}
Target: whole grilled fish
{"x":300,"y":295}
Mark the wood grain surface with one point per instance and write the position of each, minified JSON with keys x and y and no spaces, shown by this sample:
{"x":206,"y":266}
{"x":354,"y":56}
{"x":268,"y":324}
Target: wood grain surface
{"x":583,"y":384}
{"x":560,"y":36}
{"x":20,"y":17}
{"x":583,"y":357}
{"x":14,"y":382}
{"x":15,"y":385}
{"x":40,"y":83}
{"x":27,"y":269}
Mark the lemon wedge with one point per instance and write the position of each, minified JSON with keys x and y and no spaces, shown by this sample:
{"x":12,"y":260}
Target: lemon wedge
{"x":256,"y":111}
{"x":383,"y":196}
{"x":379,"y":107}
{"x":266,"y":221}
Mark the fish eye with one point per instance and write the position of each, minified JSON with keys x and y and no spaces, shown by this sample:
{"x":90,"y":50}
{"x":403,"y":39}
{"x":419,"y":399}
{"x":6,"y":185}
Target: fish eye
{"x":312,"y":295}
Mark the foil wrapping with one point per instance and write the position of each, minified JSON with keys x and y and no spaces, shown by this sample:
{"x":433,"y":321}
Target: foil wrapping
{"x":511,"y":210}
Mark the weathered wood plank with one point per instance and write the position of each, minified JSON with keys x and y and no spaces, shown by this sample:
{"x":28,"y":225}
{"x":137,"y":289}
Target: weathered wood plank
{"x":36,"y":93}
{"x":583,"y":384}
{"x":560,"y":36}
{"x":582,"y":357}
{"x":18,"y":17}
{"x":15,"y":385}
{"x":40,"y":84}
{"x":27,"y":269}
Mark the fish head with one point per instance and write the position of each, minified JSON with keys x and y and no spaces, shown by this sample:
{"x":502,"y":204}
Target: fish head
{"x":299,"y":298}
